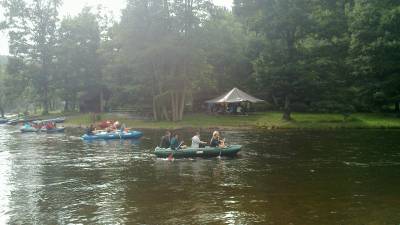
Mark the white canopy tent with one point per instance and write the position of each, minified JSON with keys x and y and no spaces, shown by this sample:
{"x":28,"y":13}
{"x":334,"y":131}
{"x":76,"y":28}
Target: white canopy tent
{"x":234,"y":96}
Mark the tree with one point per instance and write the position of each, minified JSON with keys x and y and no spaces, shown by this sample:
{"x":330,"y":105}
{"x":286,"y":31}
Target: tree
{"x":284,"y":25}
{"x":327,"y":50}
{"x":375,"y":51}
{"x":152,"y":55}
{"x":2,"y":92}
{"x":226,"y":43}
{"x":78,"y":62}
{"x":32,"y":29}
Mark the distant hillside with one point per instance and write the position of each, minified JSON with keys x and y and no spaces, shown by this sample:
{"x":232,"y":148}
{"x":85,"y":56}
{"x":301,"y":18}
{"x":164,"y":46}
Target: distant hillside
{"x":3,"y":59}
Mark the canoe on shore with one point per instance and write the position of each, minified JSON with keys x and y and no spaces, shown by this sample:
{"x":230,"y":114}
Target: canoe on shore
{"x":113,"y":135}
{"x":35,"y":120}
{"x":3,"y":120}
{"x":54,"y":130}
{"x":17,"y":121}
{"x":206,"y":152}
{"x":55,"y":120}
{"x":29,"y":129}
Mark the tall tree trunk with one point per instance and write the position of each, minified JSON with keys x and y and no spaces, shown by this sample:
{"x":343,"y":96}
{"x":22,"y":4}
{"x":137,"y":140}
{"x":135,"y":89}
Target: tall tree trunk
{"x":102,"y":101}
{"x":73,"y":104}
{"x":2,"y":112}
{"x":275,"y":100}
{"x":291,"y":57}
{"x":156,"y":86}
{"x":165,"y":113}
{"x":66,"y":106}
{"x":287,"y":111}
{"x":174,"y":105}
{"x":45,"y":101}
{"x":155,"y":114}
{"x":182,"y":104}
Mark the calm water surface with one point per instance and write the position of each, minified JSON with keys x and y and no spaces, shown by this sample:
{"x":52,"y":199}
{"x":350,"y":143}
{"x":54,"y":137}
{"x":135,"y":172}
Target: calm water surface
{"x":280,"y":177}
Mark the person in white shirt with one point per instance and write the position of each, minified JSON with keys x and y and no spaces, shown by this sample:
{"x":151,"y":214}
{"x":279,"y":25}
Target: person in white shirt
{"x":196,"y":141}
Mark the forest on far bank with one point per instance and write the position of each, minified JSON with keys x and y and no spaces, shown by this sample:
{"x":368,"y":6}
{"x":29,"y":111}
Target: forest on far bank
{"x":163,"y":55}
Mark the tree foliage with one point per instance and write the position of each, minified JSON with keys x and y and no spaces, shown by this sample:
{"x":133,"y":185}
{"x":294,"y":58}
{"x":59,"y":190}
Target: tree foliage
{"x":32,"y":29}
{"x":164,"y":55}
{"x":78,"y":60}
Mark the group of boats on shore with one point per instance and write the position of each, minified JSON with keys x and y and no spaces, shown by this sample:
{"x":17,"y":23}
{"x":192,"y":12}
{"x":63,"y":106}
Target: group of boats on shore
{"x":110,"y":130}
{"x":31,"y":125}
{"x":16,"y":121}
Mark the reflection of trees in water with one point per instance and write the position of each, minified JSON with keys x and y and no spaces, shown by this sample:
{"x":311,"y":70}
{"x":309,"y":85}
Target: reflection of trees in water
{"x":5,"y":173}
{"x":68,"y":182}
{"x":100,"y":195}
{"x":286,"y":176}
{"x":26,"y":181}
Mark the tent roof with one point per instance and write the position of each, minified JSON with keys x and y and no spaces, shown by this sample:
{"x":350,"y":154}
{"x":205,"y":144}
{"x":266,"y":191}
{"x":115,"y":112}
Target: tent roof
{"x":235,"y":95}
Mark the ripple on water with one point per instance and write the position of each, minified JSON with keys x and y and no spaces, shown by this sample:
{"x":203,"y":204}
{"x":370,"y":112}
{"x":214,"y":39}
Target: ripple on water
{"x":298,"y":177}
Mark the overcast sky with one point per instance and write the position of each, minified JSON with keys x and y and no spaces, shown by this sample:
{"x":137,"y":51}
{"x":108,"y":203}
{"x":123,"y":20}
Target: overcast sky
{"x":72,"y":7}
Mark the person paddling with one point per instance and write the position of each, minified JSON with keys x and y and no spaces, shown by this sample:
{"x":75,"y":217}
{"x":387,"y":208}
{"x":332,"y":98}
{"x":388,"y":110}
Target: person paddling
{"x":90,"y":130}
{"x":216,"y":140}
{"x":175,"y":143}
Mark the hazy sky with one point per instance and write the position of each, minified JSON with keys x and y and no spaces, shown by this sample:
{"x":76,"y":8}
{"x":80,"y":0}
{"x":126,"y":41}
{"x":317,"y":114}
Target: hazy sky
{"x":72,"y":7}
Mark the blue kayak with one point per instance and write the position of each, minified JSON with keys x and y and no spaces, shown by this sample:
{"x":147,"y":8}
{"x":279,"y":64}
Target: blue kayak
{"x":28,"y":129}
{"x":113,"y":135}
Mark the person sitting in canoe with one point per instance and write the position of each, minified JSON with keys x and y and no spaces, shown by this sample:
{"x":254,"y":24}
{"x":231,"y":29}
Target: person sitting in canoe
{"x":196,"y":142}
{"x":216,"y":140}
{"x":90,"y":130}
{"x":123,"y":128}
{"x":166,"y":140}
{"x":116,"y":125}
{"x":37,"y":125}
{"x":175,"y":143}
{"x":49,"y":126}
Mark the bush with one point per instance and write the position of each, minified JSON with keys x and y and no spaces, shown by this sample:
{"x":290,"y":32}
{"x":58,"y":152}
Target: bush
{"x":332,"y":107}
{"x":262,"y":107}
{"x":300,"y":107}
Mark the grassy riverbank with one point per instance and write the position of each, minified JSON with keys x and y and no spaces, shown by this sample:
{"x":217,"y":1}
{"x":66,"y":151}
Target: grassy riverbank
{"x":267,"y":120}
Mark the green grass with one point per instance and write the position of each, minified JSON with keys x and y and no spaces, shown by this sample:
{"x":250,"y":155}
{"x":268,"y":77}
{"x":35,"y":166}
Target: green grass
{"x":267,"y":120}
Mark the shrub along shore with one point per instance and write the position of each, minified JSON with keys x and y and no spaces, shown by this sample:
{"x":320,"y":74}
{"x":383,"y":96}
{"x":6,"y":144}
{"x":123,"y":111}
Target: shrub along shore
{"x":265,"y":120}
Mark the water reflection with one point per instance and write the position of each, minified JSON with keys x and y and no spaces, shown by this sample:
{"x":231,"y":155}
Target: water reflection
{"x":5,"y":171}
{"x":280,"y":177}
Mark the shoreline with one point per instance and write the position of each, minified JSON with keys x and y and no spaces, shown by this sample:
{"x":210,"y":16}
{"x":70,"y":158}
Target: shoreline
{"x":225,"y":128}
{"x":259,"y":121}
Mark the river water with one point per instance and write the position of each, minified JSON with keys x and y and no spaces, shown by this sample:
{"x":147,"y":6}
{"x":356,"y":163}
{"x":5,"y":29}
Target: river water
{"x":280,"y":177}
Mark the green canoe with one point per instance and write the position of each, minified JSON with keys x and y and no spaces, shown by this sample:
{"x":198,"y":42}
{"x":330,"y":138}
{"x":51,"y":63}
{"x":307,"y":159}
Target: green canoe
{"x":231,"y":150}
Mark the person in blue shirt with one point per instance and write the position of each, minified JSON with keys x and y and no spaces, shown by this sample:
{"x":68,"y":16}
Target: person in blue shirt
{"x":175,"y":143}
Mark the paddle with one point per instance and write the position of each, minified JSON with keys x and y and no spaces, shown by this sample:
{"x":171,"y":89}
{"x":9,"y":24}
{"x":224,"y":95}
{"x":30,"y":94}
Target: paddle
{"x":179,"y":146}
{"x":171,"y":156}
{"x":119,"y":134}
{"x":220,"y":148}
